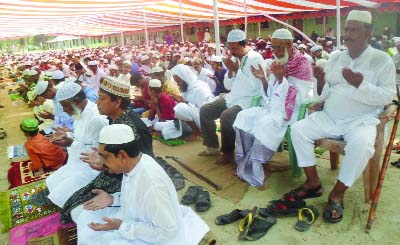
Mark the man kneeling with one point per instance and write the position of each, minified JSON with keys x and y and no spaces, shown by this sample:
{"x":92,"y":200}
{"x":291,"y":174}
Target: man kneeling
{"x":147,"y":208}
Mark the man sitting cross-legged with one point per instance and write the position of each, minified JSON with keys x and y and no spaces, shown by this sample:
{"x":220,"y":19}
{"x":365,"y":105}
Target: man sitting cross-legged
{"x":360,"y":81}
{"x":147,"y":208}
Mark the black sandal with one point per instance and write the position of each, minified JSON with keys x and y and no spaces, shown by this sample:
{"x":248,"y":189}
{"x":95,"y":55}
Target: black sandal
{"x":282,"y":208}
{"x":203,"y":202}
{"x":309,"y":193}
{"x":252,"y":228}
{"x":191,"y":195}
{"x":233,"y":216}
{"x":333,"y":206}
{"x":306,"y":218}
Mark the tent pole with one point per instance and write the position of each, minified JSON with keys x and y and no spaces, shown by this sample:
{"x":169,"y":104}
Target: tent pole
{"x":245,"y":18}
{"x":259,"y":29}
{"x":145,"y":28}
{"x":216,"y":29}
{"x":102,"y":27}
{"x":180,"y":20}
{"x":338,"y":28}
{"x":122,"y":34}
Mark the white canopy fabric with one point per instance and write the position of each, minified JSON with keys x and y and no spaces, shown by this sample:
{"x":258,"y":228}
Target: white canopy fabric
{"x":19,"y":18}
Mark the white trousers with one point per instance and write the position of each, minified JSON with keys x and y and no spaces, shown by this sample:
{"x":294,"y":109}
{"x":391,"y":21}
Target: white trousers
{"x":359,"y":147}
{"x":187,"y":112}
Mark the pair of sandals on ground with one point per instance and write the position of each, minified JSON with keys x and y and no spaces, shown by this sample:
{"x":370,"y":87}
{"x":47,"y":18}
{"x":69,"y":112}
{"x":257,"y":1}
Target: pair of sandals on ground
{"x":197,"y":196}
{"x":255,"y":223}
{"x":177,"y":178}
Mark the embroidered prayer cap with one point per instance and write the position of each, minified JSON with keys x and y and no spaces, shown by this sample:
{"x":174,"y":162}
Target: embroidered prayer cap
{"x":316,"y":48}
{"x":115,"y":86}
{"x":93,"y":63}
{"x":155,"y":83}
{"x":216,"y":58}
{"x":236,"y":36}
{"x":41,"y":87}
{"x":30,"y":124}
{"x":156,"y":69}
{"x":283,"y":34}
{"x":113,"y":67}
{"x":67,"y":91}
{"x":116,"y":134}
{"x":57,"y":75}
{"x":361,"y":16}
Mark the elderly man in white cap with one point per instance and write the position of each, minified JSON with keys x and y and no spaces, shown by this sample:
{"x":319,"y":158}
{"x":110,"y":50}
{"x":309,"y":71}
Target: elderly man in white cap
{"x":61,"y":119}
{"x":303,"y":50}
{"x":146,"y":210}
{"x":203,"y":74}
{"x":260,"y":130}
{"x":88,"y":123}
{"x":359,"y":82}
{"x":97,"y":74}
{"x":243,"y":86}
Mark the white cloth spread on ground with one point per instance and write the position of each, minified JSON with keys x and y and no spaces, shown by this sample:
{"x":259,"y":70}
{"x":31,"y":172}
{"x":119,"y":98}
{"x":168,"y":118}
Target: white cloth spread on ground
{"x":149,"y":210}
{"x":349,"y":112}
{"x":76,"y":174}
{"x":244,"y":86}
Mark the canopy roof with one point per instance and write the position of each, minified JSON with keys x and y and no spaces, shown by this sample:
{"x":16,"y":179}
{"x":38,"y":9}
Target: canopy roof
{"x":20,"y":18}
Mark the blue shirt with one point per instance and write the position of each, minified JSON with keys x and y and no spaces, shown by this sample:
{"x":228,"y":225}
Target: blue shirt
{"x":135,"y":68}
{"x":91,"y":94}
{"x":220,"y":86}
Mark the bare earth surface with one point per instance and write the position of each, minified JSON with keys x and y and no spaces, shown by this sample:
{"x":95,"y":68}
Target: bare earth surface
{"x":350,"y":231}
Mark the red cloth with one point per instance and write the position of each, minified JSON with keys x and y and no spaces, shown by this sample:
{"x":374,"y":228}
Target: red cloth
{"x":166,"y":105}
{"x":44,"y":154}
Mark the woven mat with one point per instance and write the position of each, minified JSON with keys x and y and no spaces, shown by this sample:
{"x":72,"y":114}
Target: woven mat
{"x":47,"y":230}
{"x":20,"y":174}
{"x":15,"y":208}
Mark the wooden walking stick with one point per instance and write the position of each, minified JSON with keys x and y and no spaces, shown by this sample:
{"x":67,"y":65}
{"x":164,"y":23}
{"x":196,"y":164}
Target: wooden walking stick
{"x":381,"y":178}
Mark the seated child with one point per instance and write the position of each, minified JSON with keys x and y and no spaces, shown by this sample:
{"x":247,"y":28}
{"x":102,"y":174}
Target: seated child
{"x":41,"y":151}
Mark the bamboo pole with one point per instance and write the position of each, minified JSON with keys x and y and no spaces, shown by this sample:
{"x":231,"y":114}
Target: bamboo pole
{"x":385,"y":164}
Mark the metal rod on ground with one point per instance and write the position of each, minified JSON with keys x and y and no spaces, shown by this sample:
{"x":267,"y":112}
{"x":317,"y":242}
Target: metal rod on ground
{"x":192,"y":171}
{"x":216,"y":29}
{"x":381,"y":178}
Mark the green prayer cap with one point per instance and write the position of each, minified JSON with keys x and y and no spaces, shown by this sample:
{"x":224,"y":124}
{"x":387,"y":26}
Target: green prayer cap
{"x":30,"y":124}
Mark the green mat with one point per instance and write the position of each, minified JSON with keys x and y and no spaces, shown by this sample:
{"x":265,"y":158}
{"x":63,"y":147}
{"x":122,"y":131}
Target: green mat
{"x":14,"y":97}
{"x":170,"y":142}
{"x":15,"y":208}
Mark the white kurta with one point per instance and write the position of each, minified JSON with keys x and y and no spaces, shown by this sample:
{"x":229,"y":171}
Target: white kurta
{"x":94,"y":81}
{"x":267,"y":123}
{"x":126,"y":78}
{"x":244,"y":85}
{"x":76,"y":174}
{"x":349,"y":112}
{"x":203,"y":75}
{"x":149,"y":210}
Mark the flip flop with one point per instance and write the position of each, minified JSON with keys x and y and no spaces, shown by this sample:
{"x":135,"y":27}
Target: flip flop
{"x":309,"y":193}
{"x":333,"y":206}
{"x":203,"y":202}
{"x":282,"y":208}
{"x":190,"y":195}
{"x":231,"y":217}
{"x":306,"y":218}
{"x":253,"y":228}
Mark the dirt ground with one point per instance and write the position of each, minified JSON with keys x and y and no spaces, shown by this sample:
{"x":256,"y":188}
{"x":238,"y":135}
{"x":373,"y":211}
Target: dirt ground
{"x":350,"y":231}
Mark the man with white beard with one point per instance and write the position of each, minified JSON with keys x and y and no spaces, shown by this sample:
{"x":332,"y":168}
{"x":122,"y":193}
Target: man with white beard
{"x":88,"y":122}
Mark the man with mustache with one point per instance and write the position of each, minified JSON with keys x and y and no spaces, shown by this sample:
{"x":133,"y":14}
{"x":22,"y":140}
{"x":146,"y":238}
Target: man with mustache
{"x":243,"y":86}
{"x":359,"y":82}
{"x":260,"y":130}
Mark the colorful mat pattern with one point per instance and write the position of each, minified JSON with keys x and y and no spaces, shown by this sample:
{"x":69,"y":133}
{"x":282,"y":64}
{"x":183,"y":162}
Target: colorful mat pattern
{"x":20,"y":174}
{"x":15,"y":208}
{"x":47,"y":230}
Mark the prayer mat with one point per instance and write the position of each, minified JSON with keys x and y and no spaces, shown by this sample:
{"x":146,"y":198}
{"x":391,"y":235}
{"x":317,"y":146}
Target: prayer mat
{"x":15,"y":208}
{"x":16,"y":151}
{"x":47,"y":230}
{"x":170,"y":142}
{"x":20,"y":174}
{"x":14,"y":97}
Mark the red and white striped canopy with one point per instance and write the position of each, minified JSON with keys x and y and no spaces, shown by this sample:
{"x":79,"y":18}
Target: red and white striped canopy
{"x":94,"y":17}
